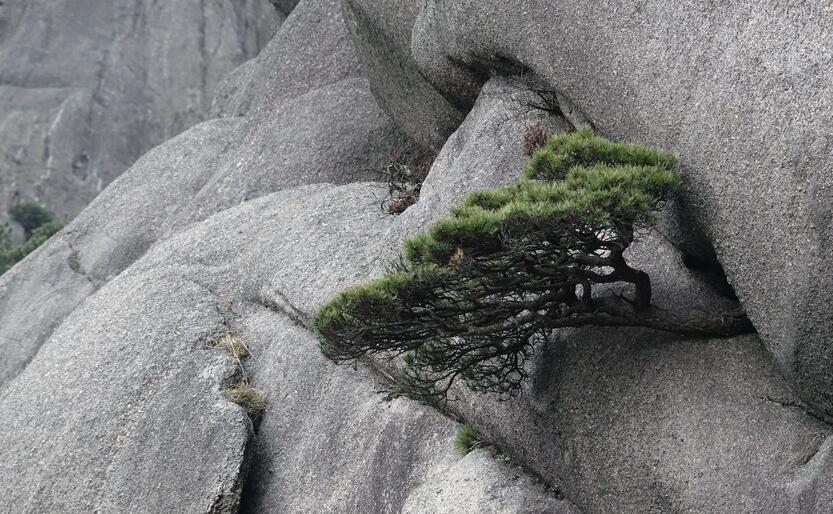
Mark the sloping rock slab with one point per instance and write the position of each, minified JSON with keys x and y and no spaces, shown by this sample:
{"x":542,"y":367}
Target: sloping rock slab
{"x":121,"y":411}
{"x":333,"y":133}
{"x":148,"y":429}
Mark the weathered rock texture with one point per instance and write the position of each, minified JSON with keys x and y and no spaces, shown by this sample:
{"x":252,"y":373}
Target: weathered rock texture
{"x":87,"y":87}
{"x":149,"y":397}
{"x":332,"y":133}
{"x":110,"y":389}
{"x":740,"y":92}
{"x":619,"y":420}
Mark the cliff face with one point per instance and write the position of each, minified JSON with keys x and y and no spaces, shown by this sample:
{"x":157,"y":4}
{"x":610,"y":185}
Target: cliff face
{"x":87,"y":87}
{"x":111,"y":382}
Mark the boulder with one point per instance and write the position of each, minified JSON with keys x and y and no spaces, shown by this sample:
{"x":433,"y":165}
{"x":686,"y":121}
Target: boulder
{"x":311,"y":50}
{"x":149,"y":428}
{"x":696,"y":80}
{"x":122,"y":384}
{"x":333,"y":133}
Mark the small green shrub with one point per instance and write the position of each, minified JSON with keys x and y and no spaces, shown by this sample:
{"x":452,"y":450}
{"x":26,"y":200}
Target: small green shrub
{"x":466,"y":439}
{"x":583,"y":148}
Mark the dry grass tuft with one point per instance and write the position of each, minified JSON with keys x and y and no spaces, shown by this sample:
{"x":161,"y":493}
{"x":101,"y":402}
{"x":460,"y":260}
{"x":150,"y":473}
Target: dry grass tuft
{"x":247,"y":397}
{"x":233,"y":345}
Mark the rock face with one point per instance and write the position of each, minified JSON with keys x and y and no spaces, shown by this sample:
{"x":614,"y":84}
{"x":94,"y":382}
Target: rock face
{"x":86,"y":88}
{"x":333,"y":133}
{"x":151,"y":386}
{"x":695,"y":80}
{"x":162,"y":434}
{"x":149,"y":429}
{"x":111,"y":382}
{"x":382,"y":33}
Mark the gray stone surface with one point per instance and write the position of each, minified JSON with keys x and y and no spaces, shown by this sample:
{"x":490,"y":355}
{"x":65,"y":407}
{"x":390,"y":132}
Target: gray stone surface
{"x":86,"y":88}
{"x":633,"y":421}
{"x":382,"y":32}
{"x":332,"y":133}
{"x":148,"y":429}
{"x":500,"y":488}
{"x":121,"y":412}
{"x":697,"y":79}
{"x":111,"y":394}
{"x":311,"y":50}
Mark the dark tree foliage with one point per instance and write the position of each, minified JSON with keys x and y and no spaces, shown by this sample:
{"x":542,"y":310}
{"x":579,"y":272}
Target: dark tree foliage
{"x":30,"y":216}
{"x":10,"y":255}
{"x":474,"y":296}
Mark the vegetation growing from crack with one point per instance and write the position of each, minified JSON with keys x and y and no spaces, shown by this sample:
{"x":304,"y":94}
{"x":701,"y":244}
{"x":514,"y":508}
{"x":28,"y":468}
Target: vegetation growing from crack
{"x":466,"y":439}
{"x":246,"y":396}
{"x":474,"y":296}
{"x":241,"y":392}
{"x":534,"y":139}
{"x":38,"y":224}
{"x":404,"y":176}
{"x":234,"y":346}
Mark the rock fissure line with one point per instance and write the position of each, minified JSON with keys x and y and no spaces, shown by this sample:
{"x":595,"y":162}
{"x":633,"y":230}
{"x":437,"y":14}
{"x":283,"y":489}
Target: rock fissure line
{"x":282,"y":305}
{"x":800,"y":406}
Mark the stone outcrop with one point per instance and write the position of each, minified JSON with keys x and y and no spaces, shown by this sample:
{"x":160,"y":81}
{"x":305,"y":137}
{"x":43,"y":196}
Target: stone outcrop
{"x":151,"y":398}
{"x":333,"y":133}
{"x":149,"y":429}
{"x":87,"y":87}
{"x":731,"y":91}
{"x":111,"y":387}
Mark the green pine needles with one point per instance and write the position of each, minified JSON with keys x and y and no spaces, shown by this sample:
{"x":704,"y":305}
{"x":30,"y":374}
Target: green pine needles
{"x":475,"y":295}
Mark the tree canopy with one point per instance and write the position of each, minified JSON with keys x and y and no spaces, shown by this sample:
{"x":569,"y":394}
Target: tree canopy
{"x":39,"y":225}
{"x":475,"y":295}
{"x":30,"y":216}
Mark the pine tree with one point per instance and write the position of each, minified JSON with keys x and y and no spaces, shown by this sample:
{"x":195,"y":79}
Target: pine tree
{"x":474,"y":296}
